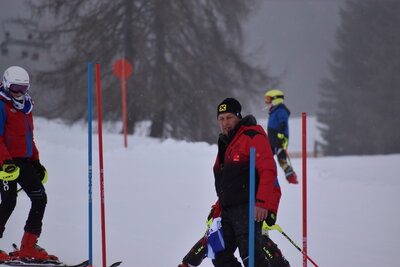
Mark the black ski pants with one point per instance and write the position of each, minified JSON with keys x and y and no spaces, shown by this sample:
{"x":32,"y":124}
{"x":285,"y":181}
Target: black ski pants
{"x":235,"y":226}
{"x":30,"y":182}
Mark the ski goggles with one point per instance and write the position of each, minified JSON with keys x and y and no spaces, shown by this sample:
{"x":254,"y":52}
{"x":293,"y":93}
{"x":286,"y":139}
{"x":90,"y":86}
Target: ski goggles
{"x":269,"y":99}
{"x":18,"y":88}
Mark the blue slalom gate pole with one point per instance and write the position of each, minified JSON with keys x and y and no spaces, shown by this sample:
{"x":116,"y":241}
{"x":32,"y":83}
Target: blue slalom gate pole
{"x":90,"y":72}
{"x":251,"y":205}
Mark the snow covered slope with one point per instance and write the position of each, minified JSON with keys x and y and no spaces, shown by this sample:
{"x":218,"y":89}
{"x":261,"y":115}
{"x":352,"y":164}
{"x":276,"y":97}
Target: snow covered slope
{"x":158,"y":194}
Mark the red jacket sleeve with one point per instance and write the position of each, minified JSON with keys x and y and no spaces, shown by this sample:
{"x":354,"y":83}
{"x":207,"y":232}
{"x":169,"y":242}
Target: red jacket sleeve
{"x":268,"y":192}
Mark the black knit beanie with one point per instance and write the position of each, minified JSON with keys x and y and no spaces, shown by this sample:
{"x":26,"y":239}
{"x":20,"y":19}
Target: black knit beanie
{"x":230,"y":105}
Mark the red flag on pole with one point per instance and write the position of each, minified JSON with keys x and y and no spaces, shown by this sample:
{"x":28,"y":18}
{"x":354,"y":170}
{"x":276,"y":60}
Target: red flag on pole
{"x":123,"y":69}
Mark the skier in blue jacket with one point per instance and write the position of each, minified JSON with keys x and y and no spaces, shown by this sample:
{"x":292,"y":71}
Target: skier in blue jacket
{"x":278,"y":131}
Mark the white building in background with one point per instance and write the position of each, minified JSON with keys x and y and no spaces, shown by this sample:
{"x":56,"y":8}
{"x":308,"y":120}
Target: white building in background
{"x":20,"y":46}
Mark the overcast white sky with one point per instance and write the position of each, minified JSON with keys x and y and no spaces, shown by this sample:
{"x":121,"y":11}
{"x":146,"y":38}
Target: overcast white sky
{"x":293,"y":38}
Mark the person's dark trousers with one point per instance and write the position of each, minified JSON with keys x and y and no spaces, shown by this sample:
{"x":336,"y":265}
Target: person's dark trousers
{"x":8,"y":191}
{"x":235,"y":225}
{"x":33,"y":187}
{"x":276,"y":144}
{"x":282,"y":155}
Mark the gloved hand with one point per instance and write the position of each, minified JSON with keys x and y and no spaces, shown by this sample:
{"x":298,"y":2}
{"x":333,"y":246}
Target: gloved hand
{"x":40,"y":170}
{"x":8,"y":166}
{"x":284,"y":140}
{"x":214,"y":213}
{"x":210,"y":218}
{"x":9,"y":171}
{"x":210,"y":214}
{"x":271,"y":218}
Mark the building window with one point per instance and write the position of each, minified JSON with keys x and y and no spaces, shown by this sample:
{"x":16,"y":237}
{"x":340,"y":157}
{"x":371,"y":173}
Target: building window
{"x":4,"y":51}
{"x":35,"y":56}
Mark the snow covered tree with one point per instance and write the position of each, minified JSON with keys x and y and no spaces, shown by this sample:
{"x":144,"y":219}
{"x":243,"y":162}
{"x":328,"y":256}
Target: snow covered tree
{"x":186,"y":56}
{"x":360,"y":107}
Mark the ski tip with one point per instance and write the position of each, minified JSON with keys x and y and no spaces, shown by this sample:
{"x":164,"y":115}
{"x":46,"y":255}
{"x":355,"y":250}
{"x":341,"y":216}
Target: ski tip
{"x":115,"y":264}
{"x":83,"y":264}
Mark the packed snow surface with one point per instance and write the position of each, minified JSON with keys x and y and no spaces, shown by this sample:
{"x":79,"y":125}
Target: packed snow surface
{"x":158,"y":194}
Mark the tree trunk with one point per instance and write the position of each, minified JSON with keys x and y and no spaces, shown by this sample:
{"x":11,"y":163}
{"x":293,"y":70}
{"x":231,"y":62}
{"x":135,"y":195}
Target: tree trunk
{"x":160,"y":88}
{"x":129,"y":54}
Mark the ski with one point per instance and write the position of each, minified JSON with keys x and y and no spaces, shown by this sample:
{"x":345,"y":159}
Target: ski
{"x":20,"y":263}
{"x":115,"y":264}
{"x":41,"y":264}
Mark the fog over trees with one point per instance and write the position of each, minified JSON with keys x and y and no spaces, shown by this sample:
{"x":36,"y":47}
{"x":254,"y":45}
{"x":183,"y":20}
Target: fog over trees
{"x":187,"y":57}
{"x":360,"y":107}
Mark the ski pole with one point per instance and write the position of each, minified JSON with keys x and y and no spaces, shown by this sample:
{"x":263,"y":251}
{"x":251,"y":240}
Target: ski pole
{"x":277,"y":227}
{"x":90,"y":204}
{"x":251,"y":203}
{"x":100,"y":130}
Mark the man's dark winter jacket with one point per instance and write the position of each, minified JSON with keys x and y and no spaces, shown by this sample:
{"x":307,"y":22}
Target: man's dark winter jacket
{"x":231,"y":168}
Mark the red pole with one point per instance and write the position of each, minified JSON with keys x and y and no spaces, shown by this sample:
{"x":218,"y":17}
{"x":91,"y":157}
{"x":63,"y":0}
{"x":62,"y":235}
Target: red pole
{"x":123,"y":79}
{"x":304,"y":149}
{"x":124,"y":110}
{"x":123,"y":69}
{"x":100,"y":130}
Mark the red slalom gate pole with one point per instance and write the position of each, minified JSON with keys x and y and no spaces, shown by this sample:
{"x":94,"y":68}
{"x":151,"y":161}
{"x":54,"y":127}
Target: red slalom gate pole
{"x":124,"y":110}
{"x":123,"y":69}
{"x":304,"y":157}
{"x":100,"y":130}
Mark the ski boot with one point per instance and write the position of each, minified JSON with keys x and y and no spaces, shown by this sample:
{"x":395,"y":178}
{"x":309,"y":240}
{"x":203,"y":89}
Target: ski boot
{"x":292,"y":178}
{"x":30,"y":250}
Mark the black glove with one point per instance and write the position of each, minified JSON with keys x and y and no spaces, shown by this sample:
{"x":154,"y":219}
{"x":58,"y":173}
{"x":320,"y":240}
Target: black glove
{"x":39,"y":169}
{"x":8,"y":166}
{"x":271,"y":218}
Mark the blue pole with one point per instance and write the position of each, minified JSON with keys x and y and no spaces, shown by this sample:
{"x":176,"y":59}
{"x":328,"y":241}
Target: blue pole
{"x":90,"y":73}
{"x":251,"y":205}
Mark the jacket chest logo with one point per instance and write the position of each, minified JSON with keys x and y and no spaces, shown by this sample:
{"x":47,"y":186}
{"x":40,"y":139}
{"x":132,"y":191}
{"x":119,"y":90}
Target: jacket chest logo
{"x":13,"y":110}
{"x":236,"y":157}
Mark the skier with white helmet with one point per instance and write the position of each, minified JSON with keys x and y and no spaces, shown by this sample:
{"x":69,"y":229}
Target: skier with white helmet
{"x":278,"y":131}
{"x":19,"y":163}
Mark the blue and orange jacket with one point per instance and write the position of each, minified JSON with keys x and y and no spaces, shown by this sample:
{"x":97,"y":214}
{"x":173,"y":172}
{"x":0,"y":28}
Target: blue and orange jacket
{"x":232,"y":166}
{"x":16,"y":131}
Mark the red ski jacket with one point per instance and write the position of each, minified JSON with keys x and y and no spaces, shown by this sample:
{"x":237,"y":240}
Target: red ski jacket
{"x":16,"y":132}
{"x":232,"y":167}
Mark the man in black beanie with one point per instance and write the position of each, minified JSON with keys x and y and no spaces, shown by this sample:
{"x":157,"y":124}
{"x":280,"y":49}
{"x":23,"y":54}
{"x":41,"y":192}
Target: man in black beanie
{"x":231,"y":173}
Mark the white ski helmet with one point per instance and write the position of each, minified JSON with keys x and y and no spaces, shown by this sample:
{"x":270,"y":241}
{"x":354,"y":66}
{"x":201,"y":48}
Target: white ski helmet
{"x":16,"y":80}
